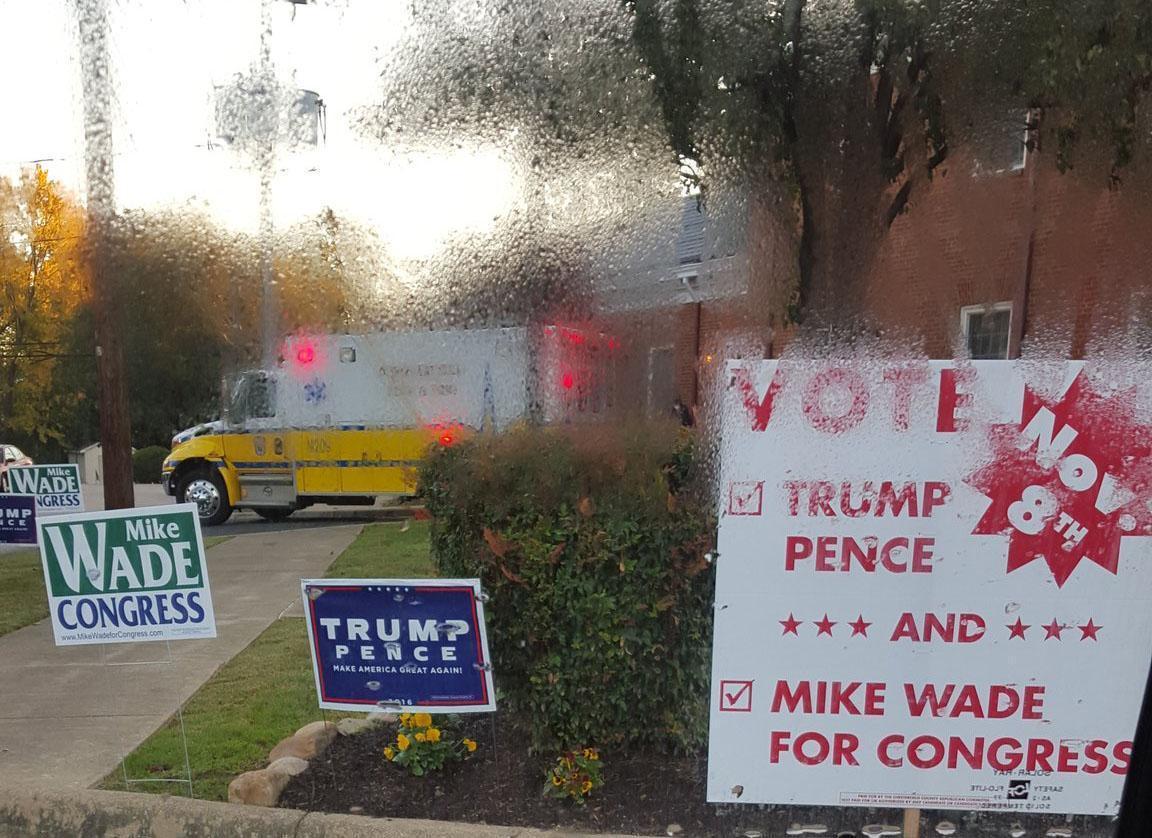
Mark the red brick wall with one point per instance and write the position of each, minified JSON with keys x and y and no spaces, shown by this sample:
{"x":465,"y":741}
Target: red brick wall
{"x":1069,"y":251}
{"x":1073,"y":255}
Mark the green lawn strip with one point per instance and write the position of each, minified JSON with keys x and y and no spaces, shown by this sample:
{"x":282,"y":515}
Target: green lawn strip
{"x":266,"y":692}
{"x":233,"y":721}
{"x":386,"y":551}
{"x":22,"y":597}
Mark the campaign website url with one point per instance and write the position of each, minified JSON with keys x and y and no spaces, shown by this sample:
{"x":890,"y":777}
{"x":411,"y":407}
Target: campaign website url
{"x":118,"y":634}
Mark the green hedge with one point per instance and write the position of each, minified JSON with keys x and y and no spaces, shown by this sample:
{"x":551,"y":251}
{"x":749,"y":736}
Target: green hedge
{"x":146,"y":463}
{"x":593,"y":545}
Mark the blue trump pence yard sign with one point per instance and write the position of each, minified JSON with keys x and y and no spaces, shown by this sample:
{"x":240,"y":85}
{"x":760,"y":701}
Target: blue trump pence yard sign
{"x":399,"y":644}
{"x":17,"y":519}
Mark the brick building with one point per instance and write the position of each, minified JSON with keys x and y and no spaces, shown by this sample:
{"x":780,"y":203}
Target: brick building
{"x":990,"y":260}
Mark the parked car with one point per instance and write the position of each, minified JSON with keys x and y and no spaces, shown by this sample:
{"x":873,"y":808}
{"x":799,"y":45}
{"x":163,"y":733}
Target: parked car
{"x":12,"y":456}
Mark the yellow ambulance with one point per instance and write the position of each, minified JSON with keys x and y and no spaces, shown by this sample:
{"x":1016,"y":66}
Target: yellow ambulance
{"x":345,"y":419}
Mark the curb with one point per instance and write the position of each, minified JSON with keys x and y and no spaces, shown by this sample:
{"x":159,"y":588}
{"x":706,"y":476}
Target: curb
{"x":90,"y":812}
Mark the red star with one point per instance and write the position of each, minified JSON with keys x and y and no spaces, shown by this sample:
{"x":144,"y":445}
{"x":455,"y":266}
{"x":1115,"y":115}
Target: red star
{"x":1017,"y":629}
{"x":791,"y":625}
{"x":860,"y":627}
{"x":1053,"y":629}
{"x":1089,"y":629}
{"x":1057,"y":524}
{"x":824,"y":626}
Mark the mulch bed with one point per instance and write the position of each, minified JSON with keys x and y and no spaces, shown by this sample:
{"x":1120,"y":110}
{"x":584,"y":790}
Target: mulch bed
{"x":502,"y":783}
{"x":643,"y":793}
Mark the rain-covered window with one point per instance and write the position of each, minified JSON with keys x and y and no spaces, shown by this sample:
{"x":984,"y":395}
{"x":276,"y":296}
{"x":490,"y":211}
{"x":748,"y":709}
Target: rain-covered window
{"x":986,"y":330}
{"x":691,"y":329}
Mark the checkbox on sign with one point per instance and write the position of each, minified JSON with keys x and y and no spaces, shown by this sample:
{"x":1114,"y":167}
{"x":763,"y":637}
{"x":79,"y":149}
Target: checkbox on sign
{"x":736,"y":696}
{"x":746,"y":497}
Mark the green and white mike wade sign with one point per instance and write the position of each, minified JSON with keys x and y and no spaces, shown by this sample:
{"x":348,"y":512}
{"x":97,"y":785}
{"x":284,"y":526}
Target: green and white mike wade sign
{"x":56,"y":487}
{"x":126,"y":576}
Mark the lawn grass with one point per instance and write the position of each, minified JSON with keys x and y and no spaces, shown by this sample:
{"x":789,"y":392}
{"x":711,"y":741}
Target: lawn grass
{"x":22,"y":597}
{"x":386,"y":551}
{"x":23,"y":600}
{"x":266,"y":692}
{"x":233,"y":721}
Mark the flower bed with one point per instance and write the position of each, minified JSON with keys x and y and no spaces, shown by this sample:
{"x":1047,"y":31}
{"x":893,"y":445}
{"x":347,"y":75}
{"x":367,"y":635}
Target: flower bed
{"x":503,"y":783}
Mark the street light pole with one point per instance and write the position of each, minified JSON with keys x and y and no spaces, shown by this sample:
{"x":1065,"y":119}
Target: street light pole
{"x":115,"y":424}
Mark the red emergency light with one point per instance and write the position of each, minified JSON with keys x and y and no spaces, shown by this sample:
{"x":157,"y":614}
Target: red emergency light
{"x":567,"y":381}
{"x":305,"y":354}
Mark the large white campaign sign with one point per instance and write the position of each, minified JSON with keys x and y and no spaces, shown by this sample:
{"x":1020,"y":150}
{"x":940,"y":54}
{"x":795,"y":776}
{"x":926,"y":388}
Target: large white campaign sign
{"x":933,"y":585}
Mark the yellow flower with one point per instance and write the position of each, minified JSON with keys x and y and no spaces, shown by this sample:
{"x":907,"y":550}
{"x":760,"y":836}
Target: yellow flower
{"x":586,"y":787}
{"x":556,"y":781}
{"x":469,"y":744}
{"x":591,"y":753}
{"x":405,"y":718}
{"x":389,"y":752}
{"x":433,"y":734}
{"x":422,"y":720}
{"x":402,"y":742}
{"x":420,"y":737}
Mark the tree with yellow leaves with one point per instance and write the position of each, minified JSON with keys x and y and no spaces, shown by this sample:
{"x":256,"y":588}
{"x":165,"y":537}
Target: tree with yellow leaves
{"x":42,"y":283}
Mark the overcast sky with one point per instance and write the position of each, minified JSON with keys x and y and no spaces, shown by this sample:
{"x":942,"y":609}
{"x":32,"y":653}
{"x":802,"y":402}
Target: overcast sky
{"x":167,"y":57}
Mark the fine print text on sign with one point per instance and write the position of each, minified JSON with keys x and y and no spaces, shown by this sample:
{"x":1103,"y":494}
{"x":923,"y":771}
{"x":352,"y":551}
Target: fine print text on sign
{"x":56,"y":487}
{"x":17,"y":519}
{"x":932,"y":587}
{"x":399,"y":644}
{"x":127,"y":576}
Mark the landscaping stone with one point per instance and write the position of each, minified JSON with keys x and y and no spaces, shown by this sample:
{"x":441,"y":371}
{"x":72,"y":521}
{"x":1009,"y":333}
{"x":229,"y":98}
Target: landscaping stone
{"x":257,"y":788}
{"x":289,"y":746}
{"x":264,"y":786}
{"x":305,"y":743}
{"x":350,"y":727}
{"x":291,"y":766}
{"x":289,"y":758}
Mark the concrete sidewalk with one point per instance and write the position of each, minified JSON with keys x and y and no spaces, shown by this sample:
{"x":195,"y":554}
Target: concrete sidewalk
{"x":69,"y":715}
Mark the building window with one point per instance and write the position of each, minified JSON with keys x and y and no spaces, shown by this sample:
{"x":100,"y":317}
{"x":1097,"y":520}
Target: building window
{"x":986,"y":330}
{"x":1003,"y":146}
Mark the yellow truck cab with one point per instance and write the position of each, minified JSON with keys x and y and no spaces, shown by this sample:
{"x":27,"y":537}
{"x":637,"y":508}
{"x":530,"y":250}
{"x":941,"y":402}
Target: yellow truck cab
{"x":346,"y":419}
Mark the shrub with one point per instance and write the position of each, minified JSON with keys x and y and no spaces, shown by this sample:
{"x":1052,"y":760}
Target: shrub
{"x":146,"y":464}
{"x":592,"y":545}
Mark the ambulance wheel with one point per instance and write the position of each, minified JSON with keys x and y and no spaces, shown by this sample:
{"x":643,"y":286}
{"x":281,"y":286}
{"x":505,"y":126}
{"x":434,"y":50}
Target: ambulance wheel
{"x":274,"y":514}
{"x":206,"y":489}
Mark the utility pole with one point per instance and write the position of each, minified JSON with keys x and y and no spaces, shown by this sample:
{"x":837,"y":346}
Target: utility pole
{"x":115,"y":426}
{"x":266,"y":162}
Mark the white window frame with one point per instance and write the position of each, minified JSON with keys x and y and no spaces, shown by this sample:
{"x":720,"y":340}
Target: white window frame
{"x":987,"y":308}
